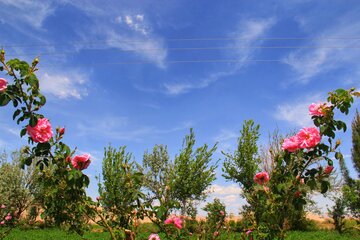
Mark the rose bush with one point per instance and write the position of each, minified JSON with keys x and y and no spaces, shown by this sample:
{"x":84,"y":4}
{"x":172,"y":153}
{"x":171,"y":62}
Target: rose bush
{"x":297,"y":167}
{"x":62,"y":186}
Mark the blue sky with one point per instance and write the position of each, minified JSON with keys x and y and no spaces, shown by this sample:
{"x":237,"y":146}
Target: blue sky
{"x":140,"y":73}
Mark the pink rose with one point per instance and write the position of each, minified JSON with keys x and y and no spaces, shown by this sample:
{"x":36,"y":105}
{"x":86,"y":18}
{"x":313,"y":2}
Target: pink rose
{"x":216,"y":233}
{"x":81,"y":162}
{"x":261,"y":178}
{"x":308,"y":137}
{"x":317,"y":109}
{"x":154,"y":236}
{"x":248,"y":232}
{"x":41,"y":132}
{"x":3,"y":206}
{"x":3,"y":85}
{"x":2,"y":223}
{"x":291,"y":144}
{"x":222,"y":213}
{"x":328,"y":169}
{"x":8,"y":217}
{"x":174,"y":220}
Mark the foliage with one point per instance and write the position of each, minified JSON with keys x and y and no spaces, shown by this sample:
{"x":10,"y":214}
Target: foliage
{"x":120,"y":190}
{"x":192,"y":174}
{"x":244,"y":163}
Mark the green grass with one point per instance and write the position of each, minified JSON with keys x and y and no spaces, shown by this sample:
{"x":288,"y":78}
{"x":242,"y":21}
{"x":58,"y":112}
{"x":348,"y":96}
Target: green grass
{"x":57,"y":234}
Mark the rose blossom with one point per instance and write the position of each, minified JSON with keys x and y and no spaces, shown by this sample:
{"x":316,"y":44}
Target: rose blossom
{"x":41,"y":132}
{"x":291,"y":144}
{"x":81,"y":162}
{"x":328,"y":169}
{"x":261,"y":178}
{"x":216,"y":234}
{"x":308,"y":137}
{"x":317,"y":109}
{"x":154,"y":236}
{"x":8,"y":217}
{"x":174,"y":220}
{"x":2,"y":223}
{"x":248,"y":232}
{"x":222,"y":213}
{"x":3,"y":206}
{"x":3,"y":85}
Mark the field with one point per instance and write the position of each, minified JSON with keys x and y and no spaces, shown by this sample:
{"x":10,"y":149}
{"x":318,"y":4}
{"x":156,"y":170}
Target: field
{"x":55,"y":234}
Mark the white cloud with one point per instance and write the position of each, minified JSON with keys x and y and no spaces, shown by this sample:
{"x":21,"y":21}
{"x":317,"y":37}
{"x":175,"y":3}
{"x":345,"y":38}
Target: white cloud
{"x":247,"y":32}
{"x":30,"y":12}
{"x":231,"y":189}
{"x":151,"y":48}
{"x":329,"y":54}
{"x":297,"y":112}
{"x":69,"y":85}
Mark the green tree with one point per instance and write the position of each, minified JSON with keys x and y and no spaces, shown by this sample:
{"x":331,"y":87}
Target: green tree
{"x":120,"y":189}
{"x":157,"y":168}
{"x":351,"y":188}
{"x":17,"y":185}
{"x":192,"y":174}
{"x":244,"y":163}
{"x":355,"y":152}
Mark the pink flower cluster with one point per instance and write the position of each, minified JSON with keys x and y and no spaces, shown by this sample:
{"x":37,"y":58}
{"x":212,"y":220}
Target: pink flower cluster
{"x":174,"y":220}
{"x":81,"y":162}
{"x":306,"y":138}
{"x":41,"y":132}
{"x":261,"y":178}
{"x":3,"y":85}
{"x":154,"y":236}
{"x":317,"y":109}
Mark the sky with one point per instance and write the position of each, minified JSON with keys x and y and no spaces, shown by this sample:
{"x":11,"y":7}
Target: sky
{"x":140,"y":73}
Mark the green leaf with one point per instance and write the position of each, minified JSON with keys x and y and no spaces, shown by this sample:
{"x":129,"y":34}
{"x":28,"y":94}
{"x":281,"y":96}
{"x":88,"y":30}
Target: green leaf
{"x":22,"y":132}
{"x":16,"y":113}
{"x":324,"y":186}
{"x":338,"y":155}
{"x":32,"y":81}
{"x":33,"y":121}
{"x":4,"y":99}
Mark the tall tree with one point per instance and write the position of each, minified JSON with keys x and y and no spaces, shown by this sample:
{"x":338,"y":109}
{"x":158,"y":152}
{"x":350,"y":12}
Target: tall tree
{"x":241,"y":166}
{"x":157,"y":169}
{"x":120,"y":190}
{"x":355,"y":153}
{"x":193,"y":174}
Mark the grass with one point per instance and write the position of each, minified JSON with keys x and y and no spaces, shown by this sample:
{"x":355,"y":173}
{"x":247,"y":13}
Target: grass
{"x":57,"y":234}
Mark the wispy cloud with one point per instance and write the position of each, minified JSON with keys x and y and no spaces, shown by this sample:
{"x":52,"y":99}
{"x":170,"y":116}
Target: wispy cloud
{"x":64,"y":85}
{"x":246,"y":33}
{"x":328,"y":54}
{"x":30,"y":12}
{"x":297,"y":112}
{"x":226,"y":139}
{"x":122,"y":128}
